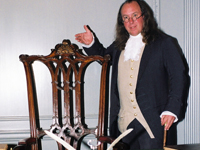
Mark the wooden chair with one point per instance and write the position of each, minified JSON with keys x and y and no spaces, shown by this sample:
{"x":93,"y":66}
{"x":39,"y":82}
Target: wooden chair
{"x":67,"y":65}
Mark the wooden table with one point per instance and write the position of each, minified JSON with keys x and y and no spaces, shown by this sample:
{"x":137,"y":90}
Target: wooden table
{"x":3,"y":146}
{"x":7,"y":146}
{"x":183,"y":147}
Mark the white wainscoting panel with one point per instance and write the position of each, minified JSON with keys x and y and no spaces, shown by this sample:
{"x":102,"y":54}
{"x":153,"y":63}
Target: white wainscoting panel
{"x":192,"y":52}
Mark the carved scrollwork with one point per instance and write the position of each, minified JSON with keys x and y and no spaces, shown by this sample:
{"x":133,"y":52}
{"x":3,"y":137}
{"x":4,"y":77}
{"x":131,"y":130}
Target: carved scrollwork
{"x":65,"y":48}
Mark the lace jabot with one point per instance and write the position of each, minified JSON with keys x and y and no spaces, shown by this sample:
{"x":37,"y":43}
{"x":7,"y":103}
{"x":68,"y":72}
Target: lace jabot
{"x":133,"y":47}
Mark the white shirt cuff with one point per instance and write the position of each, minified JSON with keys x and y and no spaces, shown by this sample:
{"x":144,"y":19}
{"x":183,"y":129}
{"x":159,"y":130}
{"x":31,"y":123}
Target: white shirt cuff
{"x":169,"y":113}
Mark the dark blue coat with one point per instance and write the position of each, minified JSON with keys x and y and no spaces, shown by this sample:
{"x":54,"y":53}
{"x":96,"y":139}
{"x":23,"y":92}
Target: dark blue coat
{"x":162,"y":84}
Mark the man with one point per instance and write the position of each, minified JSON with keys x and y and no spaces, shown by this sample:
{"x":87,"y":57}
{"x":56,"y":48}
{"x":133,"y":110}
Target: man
{"x":149,"y":77}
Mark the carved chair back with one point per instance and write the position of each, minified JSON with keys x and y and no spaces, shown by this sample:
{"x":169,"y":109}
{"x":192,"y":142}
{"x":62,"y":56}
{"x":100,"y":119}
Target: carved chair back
{"x":67,"y":65}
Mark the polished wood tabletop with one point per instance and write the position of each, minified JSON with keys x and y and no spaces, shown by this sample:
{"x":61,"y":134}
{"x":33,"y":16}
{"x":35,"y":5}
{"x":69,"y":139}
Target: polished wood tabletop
{"x":183,"y":147}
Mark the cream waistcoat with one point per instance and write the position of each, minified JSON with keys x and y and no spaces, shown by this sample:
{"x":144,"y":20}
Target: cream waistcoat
{"x":129,"y":109}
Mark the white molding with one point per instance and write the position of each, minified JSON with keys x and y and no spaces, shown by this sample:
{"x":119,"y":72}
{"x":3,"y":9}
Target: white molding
{"x":192,"y":53}
{"x":10,"y":136}
{"x":43,"y":117}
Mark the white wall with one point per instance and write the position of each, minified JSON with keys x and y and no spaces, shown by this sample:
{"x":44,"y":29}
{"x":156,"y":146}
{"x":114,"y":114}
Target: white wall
{"x":35,"y":27}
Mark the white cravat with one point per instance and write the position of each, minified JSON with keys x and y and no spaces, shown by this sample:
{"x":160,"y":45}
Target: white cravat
{"x":133,"y":47}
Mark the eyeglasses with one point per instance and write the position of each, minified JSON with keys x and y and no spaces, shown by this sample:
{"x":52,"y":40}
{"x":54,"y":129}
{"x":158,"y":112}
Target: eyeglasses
{"x":135,"y":16}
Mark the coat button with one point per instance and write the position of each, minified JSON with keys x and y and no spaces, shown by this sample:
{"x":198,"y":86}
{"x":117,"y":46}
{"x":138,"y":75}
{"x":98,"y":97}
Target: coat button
{"x":130,"y":84}
{"x":131,"y":76}
{"x":135,"y":114}
{"x":131,"y":92}
{"x":132,"y":100}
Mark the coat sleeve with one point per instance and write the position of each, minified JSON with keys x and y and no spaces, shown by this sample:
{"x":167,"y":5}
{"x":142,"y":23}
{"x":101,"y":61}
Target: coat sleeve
{"x":178,"y":78}
{"x":98,"y":49}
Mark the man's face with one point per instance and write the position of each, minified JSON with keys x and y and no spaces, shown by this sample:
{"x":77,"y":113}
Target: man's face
{"x":130,"y":11}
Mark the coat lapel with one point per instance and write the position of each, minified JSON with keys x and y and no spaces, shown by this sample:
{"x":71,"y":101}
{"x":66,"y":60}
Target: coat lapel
{"x":144,"y":60}
{"x":115,"y":61}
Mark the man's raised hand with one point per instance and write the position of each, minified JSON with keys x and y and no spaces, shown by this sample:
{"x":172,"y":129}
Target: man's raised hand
{"x":85,"y":37}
